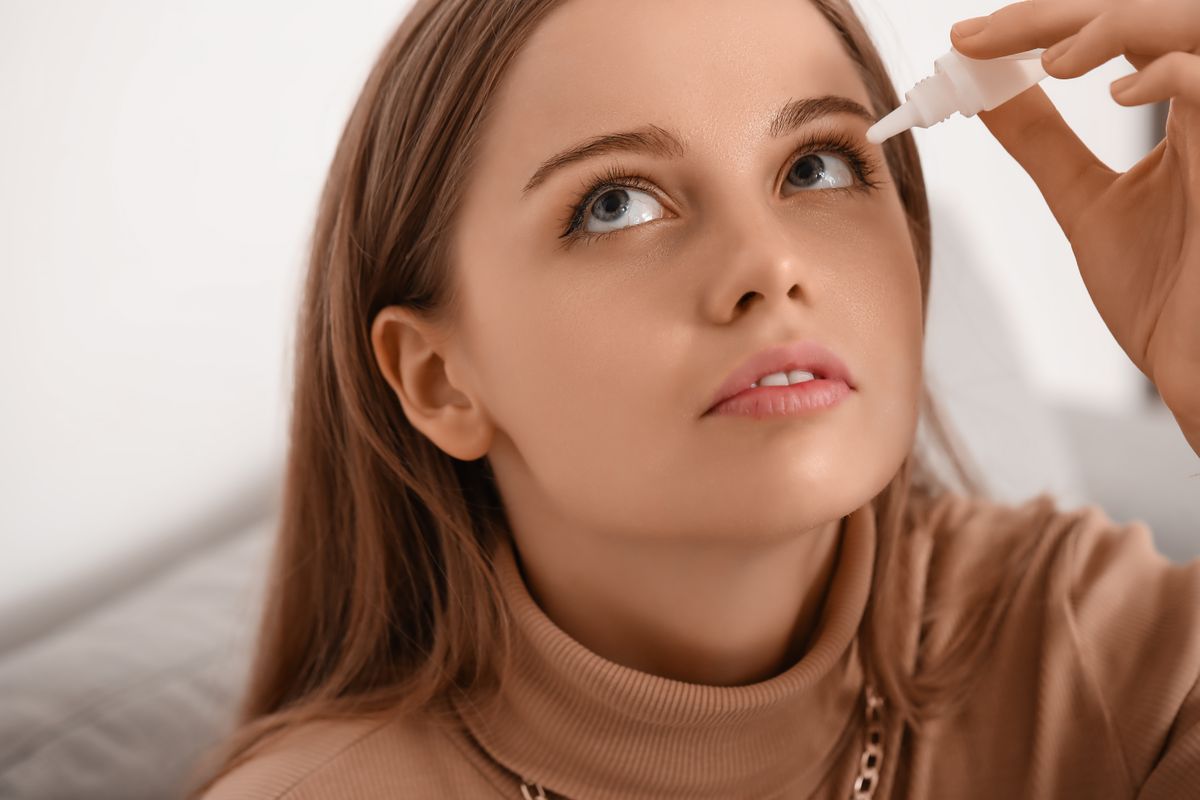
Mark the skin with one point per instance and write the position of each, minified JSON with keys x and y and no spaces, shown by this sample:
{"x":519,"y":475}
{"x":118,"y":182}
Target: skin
{"x":1134,"y":233}
{"x":694,"y":547}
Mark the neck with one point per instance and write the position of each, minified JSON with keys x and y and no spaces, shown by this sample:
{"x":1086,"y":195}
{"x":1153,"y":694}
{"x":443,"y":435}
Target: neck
{"x":723,"y":614}
{"x":581,"y":724}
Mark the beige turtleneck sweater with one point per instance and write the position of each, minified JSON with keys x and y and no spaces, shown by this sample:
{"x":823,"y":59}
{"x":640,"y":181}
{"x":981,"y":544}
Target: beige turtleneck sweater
{"x":1090,"y":691}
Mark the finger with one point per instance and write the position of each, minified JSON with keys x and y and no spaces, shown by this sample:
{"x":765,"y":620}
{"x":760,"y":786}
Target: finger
{"x":1175,"y":75}
{"x":1028,"y":25}
{"x":1130,"y":31}
{"x":1067,"y":173}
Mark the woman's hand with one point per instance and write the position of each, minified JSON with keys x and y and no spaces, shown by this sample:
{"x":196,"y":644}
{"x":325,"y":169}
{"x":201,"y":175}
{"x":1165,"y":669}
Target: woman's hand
{"x":1136,"y":234}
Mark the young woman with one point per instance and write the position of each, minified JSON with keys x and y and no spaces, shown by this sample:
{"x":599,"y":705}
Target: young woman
{"x":556,"y":525}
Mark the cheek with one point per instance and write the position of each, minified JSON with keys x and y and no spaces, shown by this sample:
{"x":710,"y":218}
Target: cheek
{"x":899,"y":341}
{"x":896,"y":336}
{"x":581,"y":409}
{"x":887,"y":286}
{"x":550,"y":361}
{"x":883,"y":322}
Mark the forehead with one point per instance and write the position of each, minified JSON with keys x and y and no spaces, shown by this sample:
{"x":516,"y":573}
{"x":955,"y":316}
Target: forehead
{"x":715,"y":70}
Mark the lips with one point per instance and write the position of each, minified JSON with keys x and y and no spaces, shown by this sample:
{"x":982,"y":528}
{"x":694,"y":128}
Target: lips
{"x":807,"y":355}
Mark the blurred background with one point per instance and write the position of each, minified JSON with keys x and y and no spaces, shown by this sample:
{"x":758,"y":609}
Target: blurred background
{"x":159,"y":171}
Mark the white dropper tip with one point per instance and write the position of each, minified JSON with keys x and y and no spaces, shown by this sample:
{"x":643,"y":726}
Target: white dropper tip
{"x":900,"y":120}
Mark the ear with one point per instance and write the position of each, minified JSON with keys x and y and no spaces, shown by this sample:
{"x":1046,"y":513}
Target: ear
{"x":423,"y":370}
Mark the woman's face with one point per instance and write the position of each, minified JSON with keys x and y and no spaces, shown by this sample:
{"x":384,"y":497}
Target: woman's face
{"x":590,"y":362}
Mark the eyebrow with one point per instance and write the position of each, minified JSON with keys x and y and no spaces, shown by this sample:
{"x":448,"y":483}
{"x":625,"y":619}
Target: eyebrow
{"x":662,"y":143}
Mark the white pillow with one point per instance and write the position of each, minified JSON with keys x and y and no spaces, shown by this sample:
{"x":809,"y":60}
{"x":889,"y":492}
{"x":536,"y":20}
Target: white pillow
{"x":121,"y":701}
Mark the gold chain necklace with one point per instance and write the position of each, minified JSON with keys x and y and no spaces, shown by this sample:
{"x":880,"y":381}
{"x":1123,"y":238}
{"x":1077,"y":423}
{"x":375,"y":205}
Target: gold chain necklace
{"x":868,"y":764}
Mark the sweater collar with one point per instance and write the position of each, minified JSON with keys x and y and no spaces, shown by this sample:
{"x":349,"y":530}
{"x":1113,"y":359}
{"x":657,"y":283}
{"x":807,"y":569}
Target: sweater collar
{"x":583,"y":726}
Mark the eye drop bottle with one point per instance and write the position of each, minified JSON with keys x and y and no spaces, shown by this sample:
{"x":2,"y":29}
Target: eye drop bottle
{"x":962,"y":84}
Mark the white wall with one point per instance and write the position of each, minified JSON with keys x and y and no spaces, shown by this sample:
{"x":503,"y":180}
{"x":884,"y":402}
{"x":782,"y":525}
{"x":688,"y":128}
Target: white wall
{"x":159,"y":166}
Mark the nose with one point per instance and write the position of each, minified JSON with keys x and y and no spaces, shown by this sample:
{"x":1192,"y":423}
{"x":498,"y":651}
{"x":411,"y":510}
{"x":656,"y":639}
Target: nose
{"x":752,"y":252}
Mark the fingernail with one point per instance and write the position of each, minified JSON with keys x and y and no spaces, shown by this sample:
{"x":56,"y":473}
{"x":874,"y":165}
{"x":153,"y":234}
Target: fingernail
{"x":969,"y":27}
{"x":1124,"y":84}
{"x":1058,"y":49}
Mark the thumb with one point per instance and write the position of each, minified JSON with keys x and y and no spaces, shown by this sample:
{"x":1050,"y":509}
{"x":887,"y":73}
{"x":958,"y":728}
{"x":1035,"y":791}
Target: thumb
{"x":1067,"y":173}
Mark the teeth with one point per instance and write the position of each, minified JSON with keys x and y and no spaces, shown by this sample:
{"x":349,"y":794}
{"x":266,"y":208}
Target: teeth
{"x":783,"y":378}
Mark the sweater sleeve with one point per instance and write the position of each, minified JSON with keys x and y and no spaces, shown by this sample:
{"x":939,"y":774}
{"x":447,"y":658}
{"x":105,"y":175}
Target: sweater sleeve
{"x":1177,"y":772}
{"x":1135,"y":618}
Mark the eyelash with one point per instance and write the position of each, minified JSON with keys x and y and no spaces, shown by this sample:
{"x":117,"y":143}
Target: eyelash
{"x":863,"y":164}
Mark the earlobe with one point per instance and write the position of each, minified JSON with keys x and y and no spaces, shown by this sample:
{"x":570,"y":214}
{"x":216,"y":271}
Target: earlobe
{"x":412,"y":359}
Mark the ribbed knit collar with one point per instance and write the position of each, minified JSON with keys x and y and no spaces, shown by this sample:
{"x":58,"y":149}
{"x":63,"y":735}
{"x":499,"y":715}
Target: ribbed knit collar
{"x":586,"y":727}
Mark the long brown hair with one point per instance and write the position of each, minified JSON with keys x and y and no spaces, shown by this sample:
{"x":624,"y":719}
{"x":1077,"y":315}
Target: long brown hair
{"x":381,"y":594}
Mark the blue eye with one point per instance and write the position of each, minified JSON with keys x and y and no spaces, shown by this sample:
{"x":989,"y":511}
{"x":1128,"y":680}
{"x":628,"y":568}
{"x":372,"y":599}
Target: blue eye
{"x":813,"y":171}
{"x":622,"y":207}
{"x":616,"y":200}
